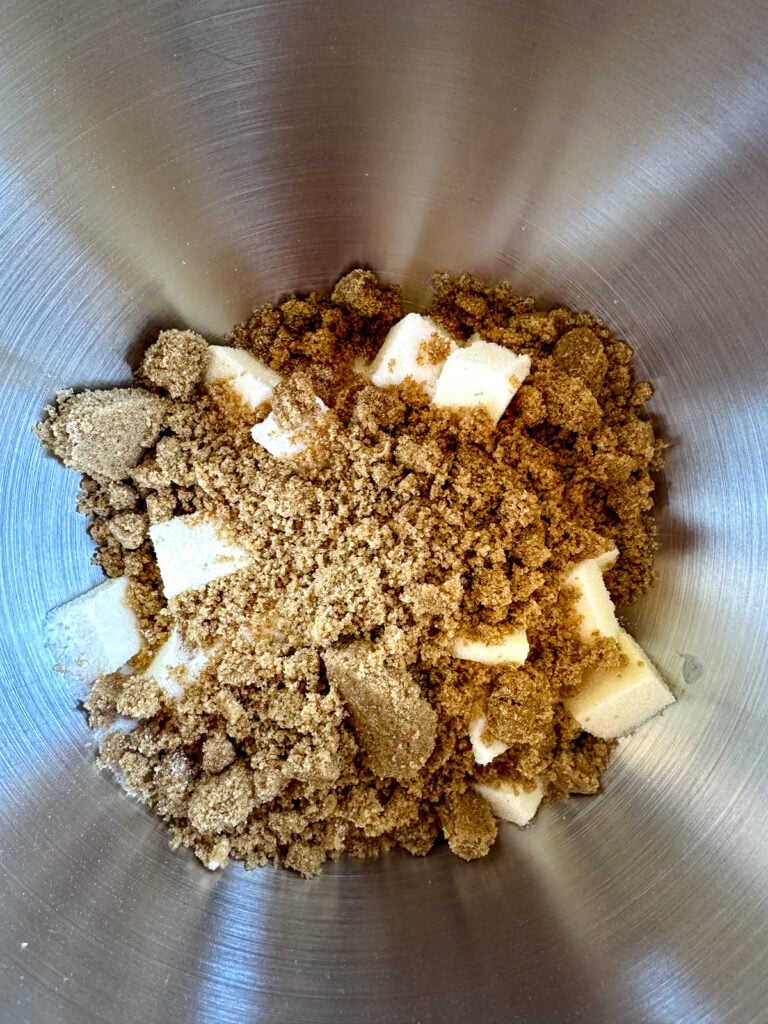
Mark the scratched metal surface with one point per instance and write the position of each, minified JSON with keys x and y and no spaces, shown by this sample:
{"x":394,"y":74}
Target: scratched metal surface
{"x":170,"y":162}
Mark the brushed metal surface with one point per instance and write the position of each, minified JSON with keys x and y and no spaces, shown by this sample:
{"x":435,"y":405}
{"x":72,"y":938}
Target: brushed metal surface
{"x":169,"y":162}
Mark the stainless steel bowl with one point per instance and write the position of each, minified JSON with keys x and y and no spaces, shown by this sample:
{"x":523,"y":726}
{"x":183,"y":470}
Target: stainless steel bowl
{"x":173,"y":163}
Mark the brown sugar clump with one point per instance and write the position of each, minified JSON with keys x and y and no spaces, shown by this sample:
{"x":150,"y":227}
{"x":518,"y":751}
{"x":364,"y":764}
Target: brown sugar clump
{"x":395,"y":725}
{"x":102,"y":433}
{"x":218,"y":753}
{"x":580,"y":353}
{"x":175,"y":362}
{"x":330,"y":716}
{"x":469,"y":825}
{"x":520,"y":706}
{"x":293,"y":401}
{"x":129,"y":529}
{"x":224,"y":801}
{"x":140,"y":697}
{"x":361,"y":292}
{"x":434,"y":350}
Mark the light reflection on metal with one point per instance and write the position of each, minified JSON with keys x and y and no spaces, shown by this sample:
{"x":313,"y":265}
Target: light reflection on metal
{"x":179,"y":162}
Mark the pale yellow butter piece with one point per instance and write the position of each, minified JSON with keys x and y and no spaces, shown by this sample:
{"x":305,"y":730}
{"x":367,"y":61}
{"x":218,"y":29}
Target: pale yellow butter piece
{"x":613,"y":702}
{"x":511,"y":650}
{"x":509,"y":802}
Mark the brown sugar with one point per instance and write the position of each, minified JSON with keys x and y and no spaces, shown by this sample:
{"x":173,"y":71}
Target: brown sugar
{"x":102,"y":433}
{"x":580,"y":353}
{"x":434,"y":350}
{"x":139,"y":697}
{"x":361,"y":292}
{"x":331,"y":716}
{"x":129,"y":529}
{"x":223,"y":801}
{"x":469,"y":825}
{"x":176,"y":362}
{"x":395,"y":725}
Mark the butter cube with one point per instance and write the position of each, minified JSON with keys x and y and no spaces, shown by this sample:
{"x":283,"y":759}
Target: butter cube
{"x":613,"y":702}
{"x":173,"y":654}
{"x":607,"y":559}
{"x":510,"y":803}
{"x":226,"y":363}
{"x":285,"y":442}
{"x":95,"y":633}
{"x":594,"y":604}
{"x":190,"y":553}
{"x":414,"y":347}
{"x":250,"y":379}
{"x":482,"y":375}
{"x":511,"y":650}
{"x":251,"y":390}
{"x":484,"y":752}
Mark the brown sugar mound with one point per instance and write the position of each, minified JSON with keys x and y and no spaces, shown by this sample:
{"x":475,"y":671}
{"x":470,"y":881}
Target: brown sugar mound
{"x":175,"y":362}
{"x":469,"y":825}
{"x":102,"y":433}
{"x":395,"y":725}
{"x":223,"y":801}
{"x":331,"y":716}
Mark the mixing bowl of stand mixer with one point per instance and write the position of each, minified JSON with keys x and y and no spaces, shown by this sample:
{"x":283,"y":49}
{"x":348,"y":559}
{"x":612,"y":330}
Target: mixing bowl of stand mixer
{"x":170,"y":164}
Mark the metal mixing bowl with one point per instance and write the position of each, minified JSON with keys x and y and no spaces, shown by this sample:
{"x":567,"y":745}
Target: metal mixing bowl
{"x":174,"y":163}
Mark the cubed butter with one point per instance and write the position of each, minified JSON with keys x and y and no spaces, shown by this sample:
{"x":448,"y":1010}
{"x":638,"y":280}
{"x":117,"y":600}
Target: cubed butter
{"x":511,"y":803}
{"x":252,"y":391}
{"x":511,"y":650}
{"x":594,"y":604}
{"x":613,"y":702}
{"x":226,"y":363}
{"x":482,"y":375}
{"x":190,"y":553}
{"x":607,"y":559}
{"x":415,"y":347}
{"x":174,"y":655}
{"x":95,"y":633}
{"x":250,"y":379}
{"x":285,"y":442}
{"x":484,"y":750}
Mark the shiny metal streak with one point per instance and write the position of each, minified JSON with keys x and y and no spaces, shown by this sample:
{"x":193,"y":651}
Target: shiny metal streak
{"x":176,"y":162}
